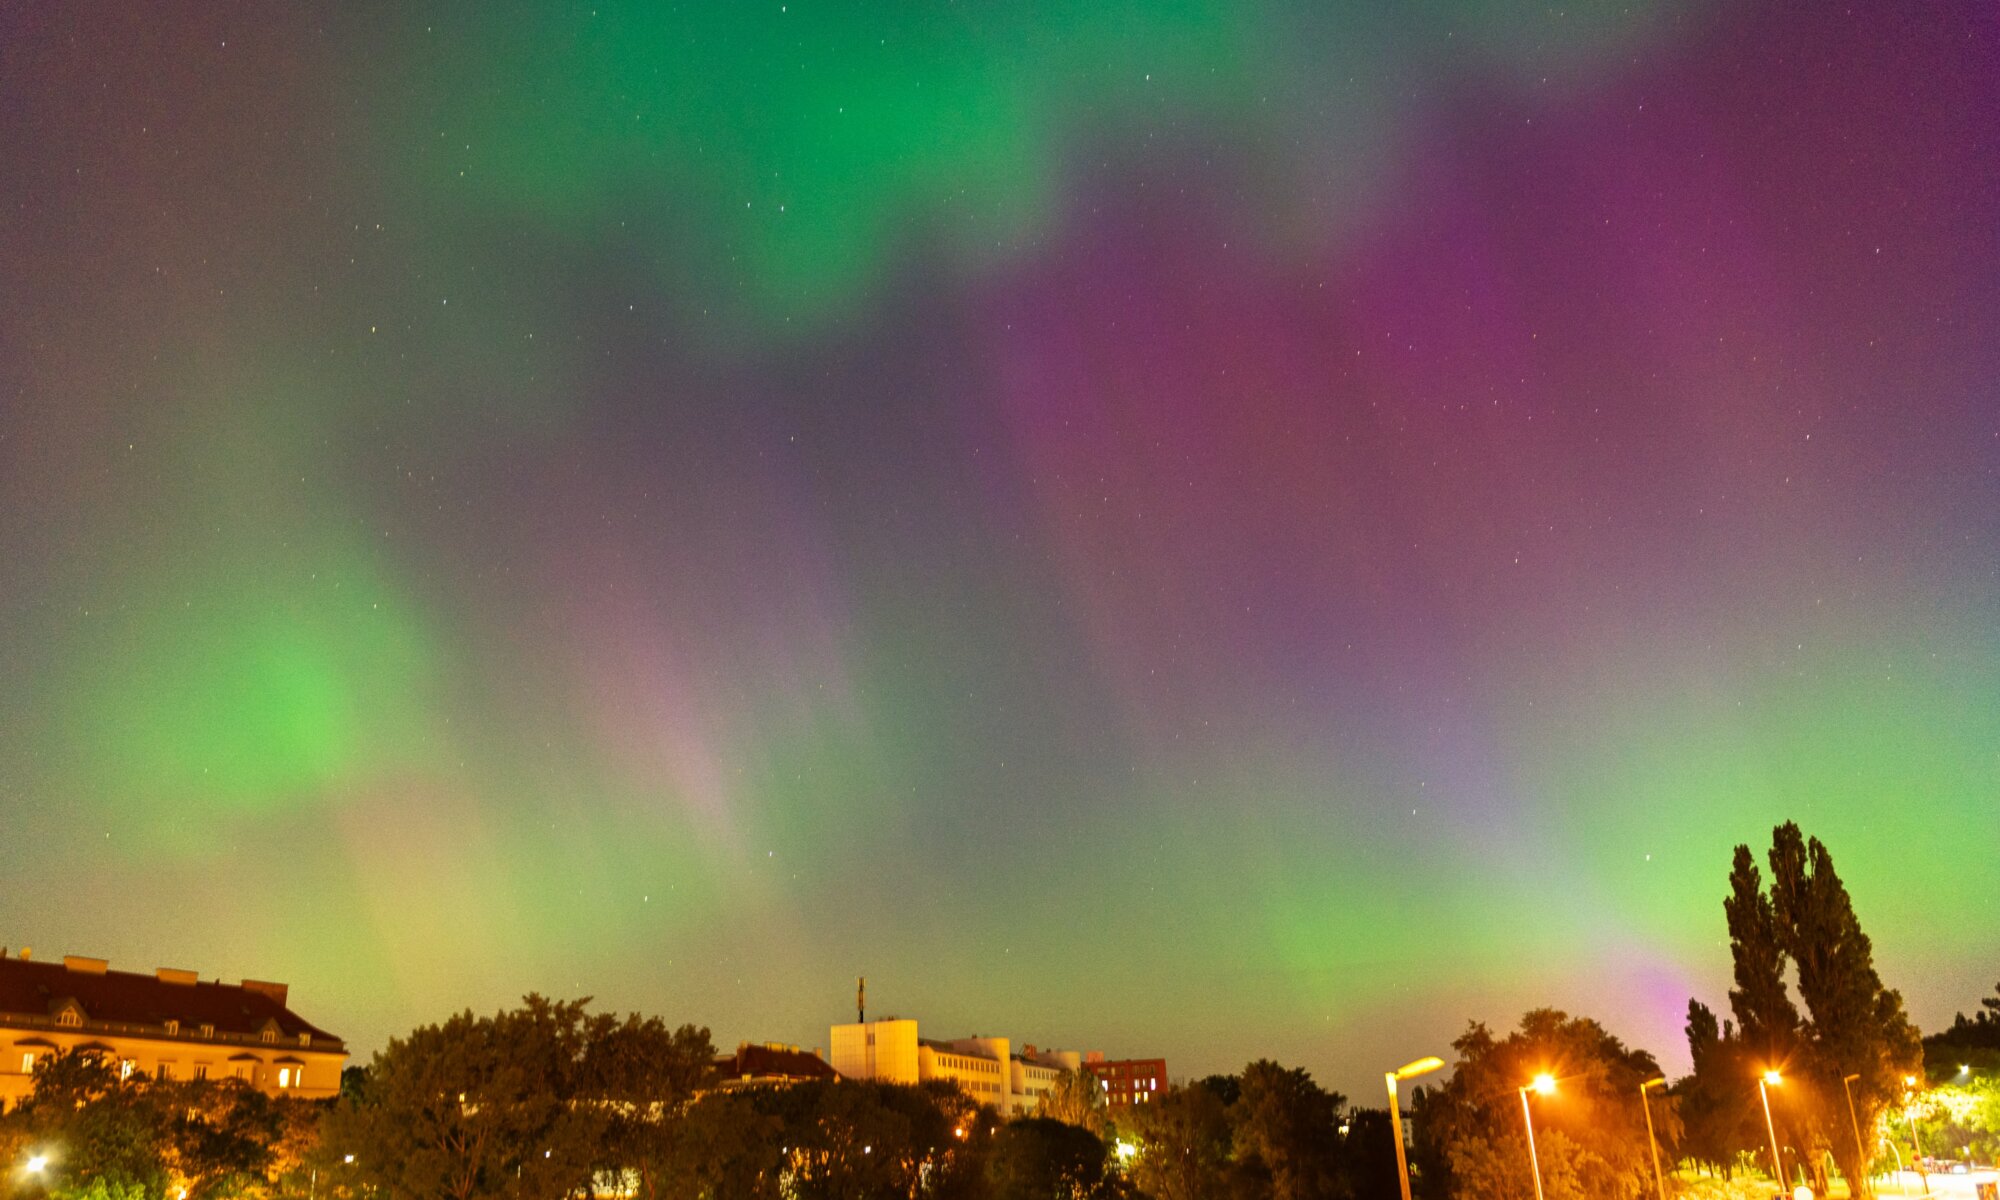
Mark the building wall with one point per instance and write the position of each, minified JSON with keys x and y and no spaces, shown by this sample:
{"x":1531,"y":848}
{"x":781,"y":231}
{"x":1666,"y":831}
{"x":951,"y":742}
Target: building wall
{"x":1130,"y":1081}
{"x":986,"y":1067}
{"x":884,"y":1050}
{"x":275,"y":1067}
{"x":970,"y":1066}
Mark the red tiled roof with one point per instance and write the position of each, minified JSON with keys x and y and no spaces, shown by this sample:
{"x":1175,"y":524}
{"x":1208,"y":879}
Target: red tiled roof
{"x":764,"y":1062}
{"x":36,"y":989}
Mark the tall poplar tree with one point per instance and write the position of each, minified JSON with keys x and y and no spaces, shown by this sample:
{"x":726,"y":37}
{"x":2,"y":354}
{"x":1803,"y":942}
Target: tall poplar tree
{"x":1855,"y":1027}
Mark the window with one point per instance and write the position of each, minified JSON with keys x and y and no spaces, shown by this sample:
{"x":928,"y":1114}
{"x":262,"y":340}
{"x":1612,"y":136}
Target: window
{"x":270,"y":1033}
{"x":28,"y":1063}
{"x":208,"y":1031}
{"x":125,"y":1068}
{"x":201,"y":1070}
{"x":285,"y":1077}
{"x":173,"y":1026}
{"x":69,"y":1016}
{"x":305,"y":1039}
{"x":163,"y":1071}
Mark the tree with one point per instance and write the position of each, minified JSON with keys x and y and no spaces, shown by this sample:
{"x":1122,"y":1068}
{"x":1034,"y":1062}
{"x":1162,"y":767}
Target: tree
{"x":1288,"y":1126}
{"x":1857,"y":1026}
{"x":852,"y":1140}
{"x":1041,"y":1158}
{"x":1184,"y":1141}
{"x":643,"y":1073}
{"x":1075,"y":1098}
{"x":477,"y":1107}
{"x":110,"y":1130}
{"x":1718,"y":1112}
{"x":723,"y":1146}
{"x":1589,"y":1133}
{"x":1368,"y":1155}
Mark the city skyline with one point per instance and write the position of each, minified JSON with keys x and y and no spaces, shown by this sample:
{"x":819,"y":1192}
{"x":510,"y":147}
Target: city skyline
{"x":1215,"y":530}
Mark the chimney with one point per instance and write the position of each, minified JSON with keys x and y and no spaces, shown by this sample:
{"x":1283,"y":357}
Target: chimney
{"x":177,"y":976}
{"x":85,"y":966}
{"x":276,"y":991}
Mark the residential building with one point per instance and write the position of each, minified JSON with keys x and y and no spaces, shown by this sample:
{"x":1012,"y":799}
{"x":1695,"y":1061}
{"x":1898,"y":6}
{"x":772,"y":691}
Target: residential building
{"x":1129,"y":1081}
{"x":988,"y":1068}
{"x":769,"y":1064}
{"x":167,"y":1025}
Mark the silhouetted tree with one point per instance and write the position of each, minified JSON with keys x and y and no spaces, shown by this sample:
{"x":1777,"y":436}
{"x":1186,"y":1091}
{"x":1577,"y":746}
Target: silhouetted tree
{"x":1183,"y":1139}
{"x":1040,"y":1158}
{"x":643,"y":1074}
{"x":1287,"y":1125}
{"x":1590,"y":1133}
{"x":1076,"y":1098}
{"x":1857,"y":1026}
{"x":477,"y":1107}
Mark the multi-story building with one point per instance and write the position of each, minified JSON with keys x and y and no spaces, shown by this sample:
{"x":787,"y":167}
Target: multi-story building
{"x":1129,"y":1081}
{"x":986,"y":1067}
{"x":167,"y":1025}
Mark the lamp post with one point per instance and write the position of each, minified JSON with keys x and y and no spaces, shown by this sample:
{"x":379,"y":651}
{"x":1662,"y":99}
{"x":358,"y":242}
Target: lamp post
{"x":1916,"y":1147}
{"x":1422,"y":1066}
{"x":1768,"y":1080}
{"x":1545,"y":1084}
{"x":1861,"y":1155}
{"x":1652,"y":1142}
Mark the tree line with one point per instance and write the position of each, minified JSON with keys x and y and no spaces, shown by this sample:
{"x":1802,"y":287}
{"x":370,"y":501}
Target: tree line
{"x":551,"y":1101}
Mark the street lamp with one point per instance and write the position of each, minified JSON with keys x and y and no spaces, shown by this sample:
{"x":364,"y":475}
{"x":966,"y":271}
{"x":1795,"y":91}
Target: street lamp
{"x":1544,"y":1083}
{"x":1861,"y":1155}
{"x":1771,"y":1079}
{"x":1916,"y":1147}
{"x":1653,"y":1143}
{"x":36,"y":1164}
{"x":1422,"y":1066}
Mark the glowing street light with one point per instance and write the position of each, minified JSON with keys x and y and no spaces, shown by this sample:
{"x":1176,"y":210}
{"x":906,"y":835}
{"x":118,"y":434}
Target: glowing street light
{"x":1544,"y":1083}
{"x":36,"y":1164}
{"x":1652,"y":1142}
{"x":1769,"y":1080}
{"x":1422,"y":1066}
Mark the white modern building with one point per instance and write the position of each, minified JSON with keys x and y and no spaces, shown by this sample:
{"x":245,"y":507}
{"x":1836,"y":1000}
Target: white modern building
{"x":988,"y":1068}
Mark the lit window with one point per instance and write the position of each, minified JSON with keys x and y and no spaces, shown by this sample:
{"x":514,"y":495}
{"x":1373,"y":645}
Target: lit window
{"x":125,"y":1068}
{"x":270,"y":1033}
{"x":284,"y":1077}
{"x":28,"y":1063}
{"x":305,"y":1039}
{"x":208,"y":1031}
{"x":69,"y":1016}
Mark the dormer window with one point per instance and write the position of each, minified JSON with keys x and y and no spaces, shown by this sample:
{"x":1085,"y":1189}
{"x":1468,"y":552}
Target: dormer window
{"x":173,"y":1027}
{"x":71,"y":1017}
{"x":208,"y":1031}
{"x":270,"y":1033}
{"x":305,"y":1039}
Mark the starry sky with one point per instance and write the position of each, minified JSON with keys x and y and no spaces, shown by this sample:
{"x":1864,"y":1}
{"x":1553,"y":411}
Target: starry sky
{"x":1207,"y":528}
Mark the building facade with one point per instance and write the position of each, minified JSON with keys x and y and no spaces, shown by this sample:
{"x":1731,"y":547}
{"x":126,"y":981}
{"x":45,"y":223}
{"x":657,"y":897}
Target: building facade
{"x":988,"y":1068}
{"x":166,"y":1025}
{"x":1129,"y":1081}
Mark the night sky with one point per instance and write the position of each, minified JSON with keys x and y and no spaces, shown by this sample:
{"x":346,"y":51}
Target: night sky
{"x":1208,"y":529}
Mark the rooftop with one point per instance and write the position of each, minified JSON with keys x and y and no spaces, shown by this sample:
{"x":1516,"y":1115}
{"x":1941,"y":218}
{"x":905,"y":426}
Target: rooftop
{"x":35,"y":994}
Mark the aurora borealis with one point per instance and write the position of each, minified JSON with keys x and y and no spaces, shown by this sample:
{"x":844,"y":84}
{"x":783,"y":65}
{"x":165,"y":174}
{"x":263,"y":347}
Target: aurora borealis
{"x":1213,"y":529}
